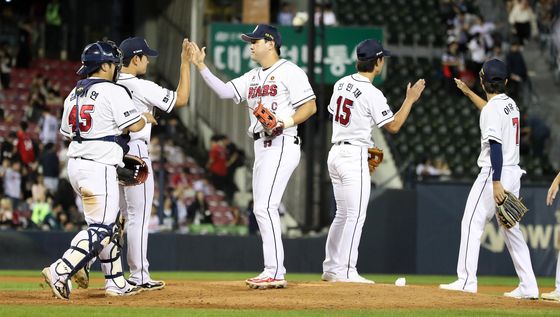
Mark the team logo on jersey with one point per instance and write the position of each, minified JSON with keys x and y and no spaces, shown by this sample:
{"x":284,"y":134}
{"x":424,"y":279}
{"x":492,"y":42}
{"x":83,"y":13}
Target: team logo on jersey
{"x":272,"y":78}
{"x":266,"y":90}
{"x":385,"y":112}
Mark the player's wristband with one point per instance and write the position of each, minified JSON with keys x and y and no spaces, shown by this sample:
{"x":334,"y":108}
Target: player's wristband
{"x":288,"y":122}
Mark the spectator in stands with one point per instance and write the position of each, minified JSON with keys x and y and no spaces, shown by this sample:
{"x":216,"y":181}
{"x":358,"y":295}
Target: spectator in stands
{"x":534,"y":135}
{"x":484,"y":30}
{"x":453,"y":63}
{"x":477,"y":50}
{"x":12,"y":183}
{"x":235,"y":159}
{"x":42,"y":216}
{"x":286,"y":14}
{"x":217,"y":163}
{"x":49,"y":128}
{"x":50,"y":166}
{"x":329,"y":18}
{"x":523,"y":20}
{"x":53,"y":29}
{"x":6,"y":214}
{"x":38,"y":190}
{"x":8,"y":148}
{"x":518,"y":69}
{"x":25,"y":145}
{"x":198,"y":211}
{"x":169,"y":214}
{"x":23,"y":59}
{"x":6,"y":62}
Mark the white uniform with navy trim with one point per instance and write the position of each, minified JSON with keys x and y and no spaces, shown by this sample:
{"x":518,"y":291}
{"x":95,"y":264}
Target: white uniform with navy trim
{"x":283,"y":87}
{"x":105,"y":111}
{"x":136,"y":201}
{"x":356,"y":105}
{"x":499,"y":121}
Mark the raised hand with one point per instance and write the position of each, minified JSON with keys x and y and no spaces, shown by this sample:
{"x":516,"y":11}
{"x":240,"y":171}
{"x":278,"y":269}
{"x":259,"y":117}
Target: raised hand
{"x":198,"y":55}
{"x":414,"y":92}
{"x":186,"y":52}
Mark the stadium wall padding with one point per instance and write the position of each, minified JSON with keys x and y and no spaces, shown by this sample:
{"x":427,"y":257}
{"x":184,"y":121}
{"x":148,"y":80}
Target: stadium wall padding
{"x":406,"y":231}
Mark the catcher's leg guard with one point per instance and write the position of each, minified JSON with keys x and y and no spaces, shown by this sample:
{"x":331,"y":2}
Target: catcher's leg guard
{"x":85,"y":246}
{"x":111,"y":265}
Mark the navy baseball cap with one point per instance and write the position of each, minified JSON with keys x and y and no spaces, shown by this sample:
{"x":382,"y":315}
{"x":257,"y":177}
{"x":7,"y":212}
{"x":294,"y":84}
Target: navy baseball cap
{"x":263,"y":31}
{"x":494,"y":70}
{"x":370,"y":49}
{"x":136,"y":46}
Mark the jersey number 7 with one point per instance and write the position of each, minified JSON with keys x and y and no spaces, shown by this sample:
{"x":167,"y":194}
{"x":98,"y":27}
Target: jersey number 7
{"x":343,"y":111}
{"x":85,"y":118}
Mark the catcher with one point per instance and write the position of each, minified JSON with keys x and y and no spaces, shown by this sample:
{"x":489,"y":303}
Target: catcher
{"x":355,"y":106}
{"x":496,"y":188}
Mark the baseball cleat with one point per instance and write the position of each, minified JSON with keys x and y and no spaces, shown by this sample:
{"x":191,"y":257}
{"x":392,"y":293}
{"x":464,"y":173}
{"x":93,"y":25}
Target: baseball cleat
{"x":516,"y":293}
{"x":263,"y":282}
{"x":132,"y":290}
{"x":458,"y":285}
{"x":153,"y":285}
{"x":59,"y":288}
{"x":354,"y":279}
{"x":81,"y":278}
{"x":328,"y":277}
{"x":553,"y":296}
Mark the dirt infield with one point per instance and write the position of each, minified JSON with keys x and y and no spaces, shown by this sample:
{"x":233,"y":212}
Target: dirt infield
{"x":298,"y":295}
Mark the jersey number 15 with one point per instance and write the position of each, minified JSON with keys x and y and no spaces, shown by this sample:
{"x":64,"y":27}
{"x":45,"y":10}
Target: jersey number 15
{"x":343,"y":110}
{"x":85,"y":118}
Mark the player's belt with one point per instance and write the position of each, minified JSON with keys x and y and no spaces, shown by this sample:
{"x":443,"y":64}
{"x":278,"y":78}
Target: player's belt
{"x":109,"y":138}
{"x":343,"y":142}
{"x":263,"y":134}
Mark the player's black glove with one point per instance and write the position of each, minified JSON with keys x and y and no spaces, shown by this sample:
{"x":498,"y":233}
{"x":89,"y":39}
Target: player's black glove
{"x":134,"y":172}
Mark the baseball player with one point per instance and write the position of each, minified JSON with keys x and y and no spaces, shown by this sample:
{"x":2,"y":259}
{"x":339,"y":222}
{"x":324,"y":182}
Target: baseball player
{"x":355,"y":106}
{"x":499,"y":171}
{"x":136,"y":201}
{"x":282,"y":88}
{"x":95,"y":114}
{"x":552,"y":191}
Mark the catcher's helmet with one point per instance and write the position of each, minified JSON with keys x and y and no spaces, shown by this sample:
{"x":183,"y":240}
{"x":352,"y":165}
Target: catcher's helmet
{"x":99,"y":53}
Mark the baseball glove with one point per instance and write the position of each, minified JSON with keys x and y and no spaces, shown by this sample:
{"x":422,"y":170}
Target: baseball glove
{"x":510,"y":211}
{"x":375,"y":157}
{"x":134,"y":172}
{"x":265,"y":117}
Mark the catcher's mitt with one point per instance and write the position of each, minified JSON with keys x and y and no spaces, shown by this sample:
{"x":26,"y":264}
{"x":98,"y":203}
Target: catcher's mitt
{"x":265,"y":117}
{"x":510,"y":211}
{"x":134,"y":172}
{"x":375,"y":157}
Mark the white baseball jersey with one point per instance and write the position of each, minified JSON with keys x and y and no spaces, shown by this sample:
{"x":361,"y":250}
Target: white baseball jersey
{"x":146,"y":95}
{"x":499,"y":121}
{"x":105,"y":111}
{"x":356,"y":105}
{"x":282,"y":88}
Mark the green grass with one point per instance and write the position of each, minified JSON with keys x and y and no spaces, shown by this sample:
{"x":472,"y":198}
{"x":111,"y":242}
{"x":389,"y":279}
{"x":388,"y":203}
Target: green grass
{"x":61,"y":310}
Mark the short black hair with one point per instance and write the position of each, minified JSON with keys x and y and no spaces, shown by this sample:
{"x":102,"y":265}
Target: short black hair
{"x":367,"y":66}
{"x":494,"y":88}
{"x":126,"y":61}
